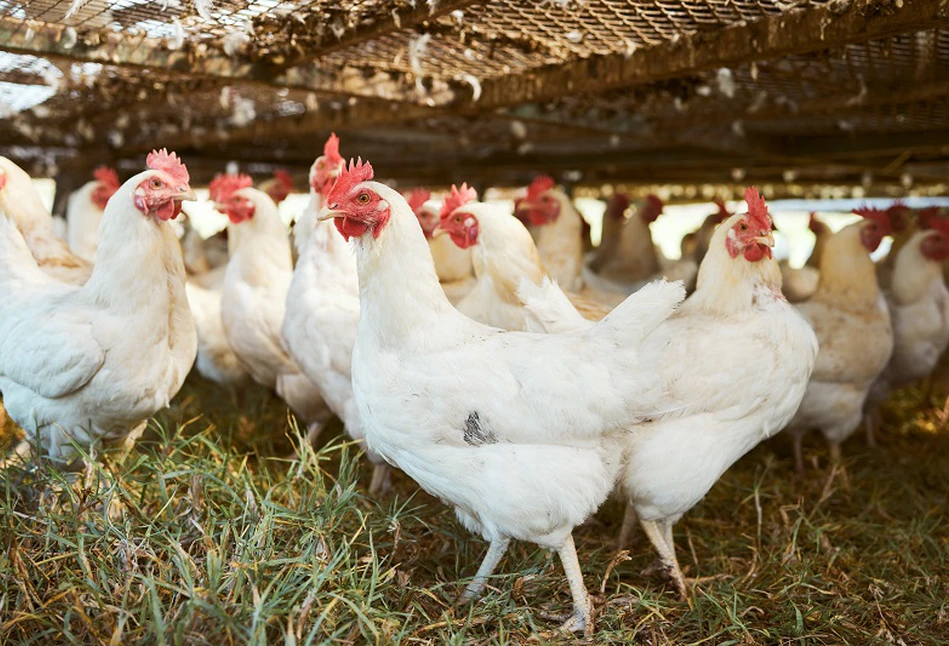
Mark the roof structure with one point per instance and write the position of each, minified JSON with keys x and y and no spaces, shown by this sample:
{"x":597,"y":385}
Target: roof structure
{"x":491,"y":91}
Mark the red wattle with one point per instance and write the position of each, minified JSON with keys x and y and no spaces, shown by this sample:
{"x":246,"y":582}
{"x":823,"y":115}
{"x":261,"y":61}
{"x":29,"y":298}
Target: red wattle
{"x":167,"y":210}
{"x":757,"y":251}
{"x":350,"y":228}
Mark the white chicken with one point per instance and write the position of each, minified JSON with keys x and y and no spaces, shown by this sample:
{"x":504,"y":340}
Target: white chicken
{"x":254,"y":297}
{"x":634,"y":260}
{"x":518,"y":432}
{"x":91,"y":363}
{"x":504,"y":256}
{"x":216,"y":361}
{"x":614,"y":217}
{"x":850,"y":317}
{"x":323,"y":173}
{"x":799,"y":284}
{"x":84,"y":212}
{"x":732,"y":363}
{"x":279,"y":186}
{"x":559,"y":231}
{"x":23,"y":206}
{"x":320,"y":328}
{"x":919,"y":311}
{"x":452,"y":263}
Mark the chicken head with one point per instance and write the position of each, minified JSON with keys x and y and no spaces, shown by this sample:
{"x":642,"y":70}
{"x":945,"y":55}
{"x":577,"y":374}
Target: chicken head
{"x":108,"y":184}
{"x":354,"y":207}
{"x":225,"y":193}
{"x":751,"y":236}
{"x":877,"y":225}
{"x":327,"y":166}
{"x":460,"y":226}
{"x":161,"y":193}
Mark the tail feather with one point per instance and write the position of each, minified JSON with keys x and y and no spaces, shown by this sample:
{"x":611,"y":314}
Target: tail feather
{"x":549,"y":308}
{"x":645,"y":310}
{"x":552,"y":312}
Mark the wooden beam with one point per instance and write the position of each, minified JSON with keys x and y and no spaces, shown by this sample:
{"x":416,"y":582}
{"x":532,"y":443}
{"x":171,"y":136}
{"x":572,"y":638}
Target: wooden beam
{"x":796,"y":31}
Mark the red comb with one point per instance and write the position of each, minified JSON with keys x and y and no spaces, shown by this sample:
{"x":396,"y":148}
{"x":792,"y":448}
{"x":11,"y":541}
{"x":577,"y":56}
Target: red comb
{"x":813,"y":223}
{"x":223,"y":186}
{"x":723,"y":212}
{"x":879,"y":216}
{"x":168,"y":163}
{"x":899,"y":206}
{"x":358,"y":172}
{"x":457,"y":198}
{"x":540,"y":184}
{"x":931,"y":218}
{"x":331,"y":149}
{"x":107,"y":177}
{"x":757,"y":209}
{"x":284,"y":178}
{"x":417,"y":197}
{"x":617,"y":205}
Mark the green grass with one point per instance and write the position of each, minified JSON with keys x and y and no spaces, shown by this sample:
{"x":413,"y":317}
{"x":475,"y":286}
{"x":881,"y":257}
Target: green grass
{"x":225,"y":540}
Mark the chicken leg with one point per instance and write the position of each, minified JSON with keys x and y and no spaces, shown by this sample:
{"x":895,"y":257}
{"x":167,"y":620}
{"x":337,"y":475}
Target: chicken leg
{"x":870,"y":424}
{"x":496,"y":550}
{"x":797,"y":441}
{"x":660,"y":535}
{"x":381,"y":479}
{"x":313,"y":433}
{"x":582,"y":618}
{"x":630,"y":521}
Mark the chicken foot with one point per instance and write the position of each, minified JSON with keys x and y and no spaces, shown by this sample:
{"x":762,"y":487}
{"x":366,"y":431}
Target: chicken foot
{"x":582,"y":618}
{"x":496,"y":550}
{"x":660,"y":535}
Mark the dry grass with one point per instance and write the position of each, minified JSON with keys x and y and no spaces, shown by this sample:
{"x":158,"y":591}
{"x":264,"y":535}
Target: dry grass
{"x":222,"y":541}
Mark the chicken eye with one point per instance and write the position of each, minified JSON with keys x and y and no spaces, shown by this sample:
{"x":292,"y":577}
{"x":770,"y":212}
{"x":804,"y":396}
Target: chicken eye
{"x":457,"y":218}
{"x":319,"y":165}
{"x":363,"y":198}
{"x":743,"y":226}
{"x":156,"y":183}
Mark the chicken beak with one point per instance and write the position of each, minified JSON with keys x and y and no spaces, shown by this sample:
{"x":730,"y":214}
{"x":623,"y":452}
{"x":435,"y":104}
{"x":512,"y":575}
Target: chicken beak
{"x":765,"y":240}
{"x":186,"y":193}
{"x":329,"y":214}
{"x":438,"y":231}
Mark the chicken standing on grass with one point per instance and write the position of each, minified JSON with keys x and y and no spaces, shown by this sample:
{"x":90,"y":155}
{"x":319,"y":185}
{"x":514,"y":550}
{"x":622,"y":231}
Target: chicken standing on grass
{"x":84,"y":212}
{"x":919,"y":310}
{"x":254,"y":298}
{"x":22,"y":205}
{"x":91,"y":363}
{"x":850,"y":317}
{"x":520,"y":433}
{"x":319,"y":328}
{"x":732,"y":363}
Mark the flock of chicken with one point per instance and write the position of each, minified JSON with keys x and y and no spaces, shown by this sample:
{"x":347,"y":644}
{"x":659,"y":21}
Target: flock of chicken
{"x":508,"y":369}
